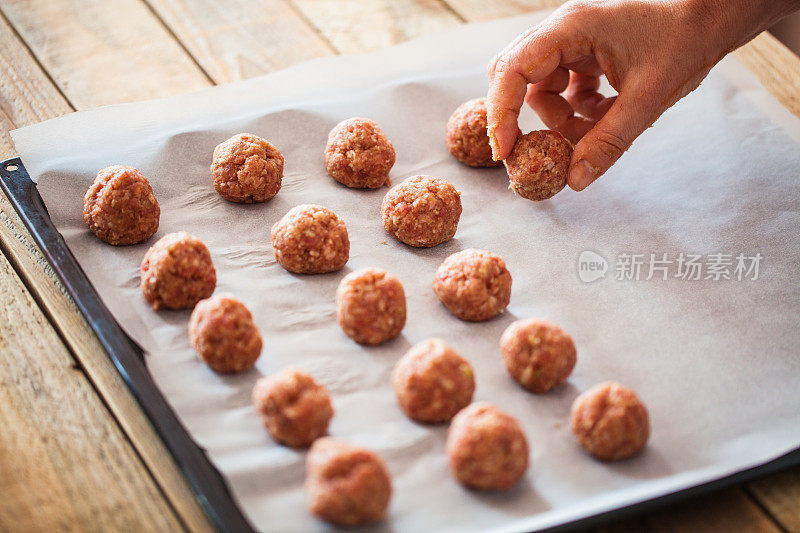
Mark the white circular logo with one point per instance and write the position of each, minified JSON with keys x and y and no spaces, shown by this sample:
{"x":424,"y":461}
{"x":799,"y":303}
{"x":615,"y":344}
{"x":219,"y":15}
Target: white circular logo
{"x":591,"y":266}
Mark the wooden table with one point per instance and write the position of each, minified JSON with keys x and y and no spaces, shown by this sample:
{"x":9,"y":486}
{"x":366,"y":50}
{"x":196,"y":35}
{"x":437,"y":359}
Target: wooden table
{"x":75,"y":450}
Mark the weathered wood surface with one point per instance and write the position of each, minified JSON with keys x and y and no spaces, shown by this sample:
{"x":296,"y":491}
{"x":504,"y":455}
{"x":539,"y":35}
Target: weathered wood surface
{"x":239,"y":39}
{"x":65,"y":463}
{"x":353,"y":26}
{"x":56,"y":55}
{"x":100,"y":52}
{"x":728,"y":510}
{"x":27,"y":96}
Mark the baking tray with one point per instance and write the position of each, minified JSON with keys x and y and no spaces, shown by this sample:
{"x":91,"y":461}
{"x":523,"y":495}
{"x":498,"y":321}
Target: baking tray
{"x":205,"y":480}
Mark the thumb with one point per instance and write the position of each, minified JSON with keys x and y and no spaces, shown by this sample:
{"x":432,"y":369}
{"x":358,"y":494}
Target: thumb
{"x":613,"y":134}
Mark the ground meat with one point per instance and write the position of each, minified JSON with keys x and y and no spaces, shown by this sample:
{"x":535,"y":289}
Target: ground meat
{"x":422,"y":211}
{"x":346,"y":485}
{"x":538,"y":354}
{"x":538,"y":165}
{"x":371,"y":306}
{"x":474,"y":284}
{"x":222,"y":331}
{"x":610,"y":421}
{"x":358,"y":154}
{"x":120,"y":207}
{"x":487,"y":448}
{"x":247,"y":169}
{"x":432,"y":382}
{"x":177,"y":272}
{"x":467,"y":139}
{"x":310,"y":239}
{"x":295,"y":409}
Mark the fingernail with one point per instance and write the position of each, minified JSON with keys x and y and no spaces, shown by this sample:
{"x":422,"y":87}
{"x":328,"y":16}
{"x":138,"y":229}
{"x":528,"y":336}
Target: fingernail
{"x":582,"y":175}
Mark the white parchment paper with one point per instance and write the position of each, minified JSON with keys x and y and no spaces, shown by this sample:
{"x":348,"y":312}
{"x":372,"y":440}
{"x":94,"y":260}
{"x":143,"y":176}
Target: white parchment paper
{"x":716,"y":362}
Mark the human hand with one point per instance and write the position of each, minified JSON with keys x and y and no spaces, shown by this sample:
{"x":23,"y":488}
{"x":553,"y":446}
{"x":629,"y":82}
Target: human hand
{"x":653,"y":53}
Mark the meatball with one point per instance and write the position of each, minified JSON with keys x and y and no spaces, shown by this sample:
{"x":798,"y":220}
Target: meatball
{"x":371,"y":306}
{"x":473,"y":284}
{"x":538,"y":165}
{"x":432,"y":382}
{"x":422,"y":211}
{"x":247,"y":169}
{"x":295,"y":409}
{"x":538,"y":354}
{"x":120,"y":207}
{"x":610,"y":421}
{"x":222,"y":331}
{"x":177,"y":272}
{"x":346,"y":485}
{"x":358,"y":154}
{"x":467,"y":138}
{"x":310,"y":239}
{"x":487,"y":448}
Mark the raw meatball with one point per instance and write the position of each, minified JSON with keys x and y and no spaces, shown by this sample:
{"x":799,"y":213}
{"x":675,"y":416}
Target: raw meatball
{"x":371,"y":306}
{"x":610,"y":421}
{"x":467,"y":138}
{"x":474,"y":284}
{"x":538,"y":165}
{"x":422,"y":211}
{"x":433,"y":382}
{"x":222,"y":331}
{"x":120,"y":207}
{"x":310,"y":239}
{"x":538,"y":354}
{"x":346,"y":485}
{"x":358,"y":154}
{"x":177,"y":272}
{"x":487,"y":448}
{"x":295,"y":409}
{"x":247,"y":169}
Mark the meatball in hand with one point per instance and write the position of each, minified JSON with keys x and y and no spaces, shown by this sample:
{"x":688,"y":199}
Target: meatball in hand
{"x":652,"y":53}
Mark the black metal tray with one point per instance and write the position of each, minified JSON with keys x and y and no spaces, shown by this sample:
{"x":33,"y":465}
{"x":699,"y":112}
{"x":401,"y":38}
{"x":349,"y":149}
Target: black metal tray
{"x":205,"y":480}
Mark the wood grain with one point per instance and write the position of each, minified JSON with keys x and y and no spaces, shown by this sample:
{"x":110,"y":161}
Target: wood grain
{"x":65,"y":463}
{"x":239,"y":39}
{"x":776,"y":67}
{"x":475,"y":10}
{"x":27,"y":96}
{"x":354,"y":26}
{"x":780,"y":495}
{"x":728,"y":510}
{"x":101,"y":52}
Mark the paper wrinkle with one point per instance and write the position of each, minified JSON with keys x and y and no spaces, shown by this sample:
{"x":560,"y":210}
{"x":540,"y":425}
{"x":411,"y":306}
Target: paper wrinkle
{"x":714,"y":361}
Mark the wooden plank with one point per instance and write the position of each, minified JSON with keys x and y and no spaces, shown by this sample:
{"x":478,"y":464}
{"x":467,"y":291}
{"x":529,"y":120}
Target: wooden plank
{"x":27,"y":96}
{"x":728,"y":510}
{"x":240,"y":39}
{"x":776,"y":67}
{"x":475,"y":10}
{"x":102,"y":52}
{"x":64,"y":463}
{"x":28,"y":260}
{"x":353,"y":26}
{"x":780,"y":495}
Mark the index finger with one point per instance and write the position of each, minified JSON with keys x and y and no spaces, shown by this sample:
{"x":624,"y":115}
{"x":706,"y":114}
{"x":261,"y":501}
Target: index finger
{"x":529,"y":61}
